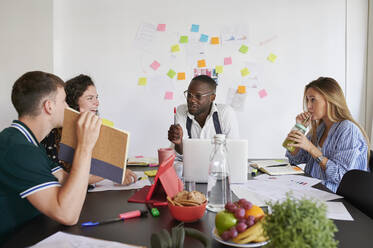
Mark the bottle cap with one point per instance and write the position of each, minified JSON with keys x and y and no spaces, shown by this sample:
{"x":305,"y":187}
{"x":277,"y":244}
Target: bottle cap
{"x":219,"y":137}
{"x":301,"y":127}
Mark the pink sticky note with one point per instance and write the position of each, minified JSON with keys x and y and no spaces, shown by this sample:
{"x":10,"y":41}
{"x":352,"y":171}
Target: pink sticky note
{"x":139,"y":156}
{"x":169,"y":95}
{"x":228,"y":61}
{"x":262,"y":93}
{"x":155,"y":65}
{"x":161,"y":27}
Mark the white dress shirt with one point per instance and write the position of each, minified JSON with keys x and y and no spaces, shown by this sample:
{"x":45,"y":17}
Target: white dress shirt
{"x":227,"y":120}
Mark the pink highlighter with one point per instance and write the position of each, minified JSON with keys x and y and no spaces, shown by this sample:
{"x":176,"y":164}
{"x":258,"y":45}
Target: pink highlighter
{"x":123,"y":216}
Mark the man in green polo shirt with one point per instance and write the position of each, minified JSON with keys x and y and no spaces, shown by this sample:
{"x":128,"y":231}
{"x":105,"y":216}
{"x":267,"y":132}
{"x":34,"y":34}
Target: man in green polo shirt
{"x":30,"y":183}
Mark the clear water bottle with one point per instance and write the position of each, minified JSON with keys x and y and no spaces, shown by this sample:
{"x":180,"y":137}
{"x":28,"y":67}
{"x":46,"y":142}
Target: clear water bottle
{"x":218,"y":184}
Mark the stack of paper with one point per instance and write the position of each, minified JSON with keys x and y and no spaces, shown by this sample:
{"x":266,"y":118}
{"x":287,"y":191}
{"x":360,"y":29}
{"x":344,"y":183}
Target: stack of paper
{"x":276,"y":167}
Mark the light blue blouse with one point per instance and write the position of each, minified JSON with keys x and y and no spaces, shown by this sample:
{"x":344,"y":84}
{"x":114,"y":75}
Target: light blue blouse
{"x":345,"y":148}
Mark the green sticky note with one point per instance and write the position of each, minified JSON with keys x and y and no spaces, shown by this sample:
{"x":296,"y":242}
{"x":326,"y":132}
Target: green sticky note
{"x":183,"y":39}
{"x":271,"y":57}
{"x":219,"y":69}
{"x":171,"y":73}
{"x":141,"y":81}
{"x":244,"y":49}
{"x":245,"y":72}
{"x":175,"y":48}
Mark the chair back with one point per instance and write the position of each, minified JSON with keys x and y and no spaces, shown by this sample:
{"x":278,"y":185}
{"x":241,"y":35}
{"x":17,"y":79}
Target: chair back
{"x":370,"y":162}
{"x":357,"y":188}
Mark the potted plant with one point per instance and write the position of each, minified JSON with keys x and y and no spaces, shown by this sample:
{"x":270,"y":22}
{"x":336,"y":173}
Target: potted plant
{"x":299,"y":223}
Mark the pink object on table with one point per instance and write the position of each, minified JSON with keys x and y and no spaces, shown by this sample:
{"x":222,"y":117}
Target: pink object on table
{"x":164,"y":153}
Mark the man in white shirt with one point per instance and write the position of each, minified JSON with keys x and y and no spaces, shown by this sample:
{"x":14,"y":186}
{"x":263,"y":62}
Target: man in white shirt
{"x":201,"y":117}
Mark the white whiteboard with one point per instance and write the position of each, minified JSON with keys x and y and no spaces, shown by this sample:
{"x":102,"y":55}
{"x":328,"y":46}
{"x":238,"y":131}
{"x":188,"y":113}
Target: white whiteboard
{"x":97,"y":38}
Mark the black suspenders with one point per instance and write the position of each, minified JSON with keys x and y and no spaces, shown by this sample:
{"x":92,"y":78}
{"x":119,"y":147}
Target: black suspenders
{"x":215,"y":119}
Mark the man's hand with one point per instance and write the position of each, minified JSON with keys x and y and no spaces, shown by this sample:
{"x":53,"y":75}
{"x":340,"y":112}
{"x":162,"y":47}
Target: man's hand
{"x":175,"y":134}
{"x":88,"y":130}
{"x":130,"y":177}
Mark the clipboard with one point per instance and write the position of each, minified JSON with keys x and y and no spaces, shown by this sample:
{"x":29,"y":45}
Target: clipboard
{"x":166,"y":183}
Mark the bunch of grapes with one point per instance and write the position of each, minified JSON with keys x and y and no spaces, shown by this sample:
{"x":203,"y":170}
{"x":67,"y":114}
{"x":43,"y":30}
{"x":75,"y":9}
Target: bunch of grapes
{"x":238,"y":208}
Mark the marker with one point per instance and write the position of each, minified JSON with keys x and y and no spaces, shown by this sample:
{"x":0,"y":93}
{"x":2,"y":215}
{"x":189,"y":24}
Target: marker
{"x":156,"y":204}
{"x":123,"y":216}
{"x":174,"y":115}
{"x":153,"y":211}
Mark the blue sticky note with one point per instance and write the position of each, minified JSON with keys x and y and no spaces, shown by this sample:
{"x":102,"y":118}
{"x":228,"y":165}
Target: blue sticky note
{"x":204,"y":38}
{"x":195,"y":28}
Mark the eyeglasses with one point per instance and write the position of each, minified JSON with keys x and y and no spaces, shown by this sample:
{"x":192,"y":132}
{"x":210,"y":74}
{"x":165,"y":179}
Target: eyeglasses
{"x":199,"y":97}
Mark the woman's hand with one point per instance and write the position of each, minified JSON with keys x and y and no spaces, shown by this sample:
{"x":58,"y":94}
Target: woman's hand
{"x":300,"y":140}
{"x":302,"y":117}
{"x":130,"y":177}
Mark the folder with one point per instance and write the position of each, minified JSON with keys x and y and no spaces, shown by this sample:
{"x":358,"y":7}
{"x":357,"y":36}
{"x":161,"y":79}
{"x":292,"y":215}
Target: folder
{"x":166,"y":183}
{"x":109,"y":155}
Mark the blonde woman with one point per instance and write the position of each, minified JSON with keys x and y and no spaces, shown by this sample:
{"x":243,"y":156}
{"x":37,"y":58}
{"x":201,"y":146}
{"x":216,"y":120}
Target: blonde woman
{"x":336,"y":143}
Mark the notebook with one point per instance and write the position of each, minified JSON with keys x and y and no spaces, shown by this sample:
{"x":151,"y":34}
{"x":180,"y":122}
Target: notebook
{"x":196,"y":157}
{"x":276,"y":167}
{"x":109,"y":154}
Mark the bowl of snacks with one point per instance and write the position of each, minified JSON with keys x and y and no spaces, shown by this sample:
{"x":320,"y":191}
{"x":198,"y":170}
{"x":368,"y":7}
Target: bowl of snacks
{"x":187,"y":206}
{"x":240,"y":225}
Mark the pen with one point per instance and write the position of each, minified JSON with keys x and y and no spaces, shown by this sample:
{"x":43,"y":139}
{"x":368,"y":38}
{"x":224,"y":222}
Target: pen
{"x":153,"y":211}
{"x":123,"y":216}
{"x":174,"y":115}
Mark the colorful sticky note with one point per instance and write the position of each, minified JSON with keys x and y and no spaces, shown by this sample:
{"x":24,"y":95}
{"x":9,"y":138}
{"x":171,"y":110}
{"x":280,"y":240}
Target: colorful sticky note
{"x":139,"y":156}
{"x":183,"y":39}
{"x":204,"y":38}
{"x":201,"y":63}
{"x":227,"y":61}
{"x":175,"y":48}
{"x":161,"y":27}
{"x":171,"y":73}
{"x":241,"y":89}
{"x":142,"y":81}
{"x":106,"y":122}
{"x":244,"y":49}
{"x":195,"y":28}
{"x":262,"y":93}
{"x":219,"y":69}
{"x":150,"y":173}
{"x":155,"y":65}
{"x":271,"y":57}
{"x":215,"y":40}
{"x":169,"y":95}
{"x":181,"y":76}
{"x":245,"y":72}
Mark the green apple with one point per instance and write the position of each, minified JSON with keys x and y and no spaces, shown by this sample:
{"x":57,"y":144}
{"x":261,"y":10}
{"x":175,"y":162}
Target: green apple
{"x":224,"y":220}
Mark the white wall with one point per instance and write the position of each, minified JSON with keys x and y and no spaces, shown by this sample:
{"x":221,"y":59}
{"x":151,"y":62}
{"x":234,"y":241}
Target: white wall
{"x":26,"y":43}
{"x":369,"y":91}
{"x":27,"y":38}
{"x":356,"y":58}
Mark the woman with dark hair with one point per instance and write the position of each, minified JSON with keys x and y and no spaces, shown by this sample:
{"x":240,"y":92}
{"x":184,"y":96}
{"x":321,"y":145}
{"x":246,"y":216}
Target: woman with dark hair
{"x":336,"y":143}
{"x":81,"y":95}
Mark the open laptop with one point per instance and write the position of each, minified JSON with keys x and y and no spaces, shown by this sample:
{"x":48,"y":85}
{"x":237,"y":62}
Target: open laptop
{"x":196,"y":156}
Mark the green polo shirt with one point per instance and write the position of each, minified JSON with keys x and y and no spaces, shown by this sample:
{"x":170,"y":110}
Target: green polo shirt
{"x":24,"y":169}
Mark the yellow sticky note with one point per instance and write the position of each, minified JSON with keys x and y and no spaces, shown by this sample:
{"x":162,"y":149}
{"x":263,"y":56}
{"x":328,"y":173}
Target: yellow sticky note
{"x":175,"y":48}
{"x":219,"y":69}
{"x":106,"y":122}
{"x":142,"y":81}
{"x":271,"y":57}
{"x":150,"y":173}
{"x":201,"y":63}
{"x":215,"y":40}
{"x":245,"y":72}
{"x":181,"y":76}
{"x":241,"y":89}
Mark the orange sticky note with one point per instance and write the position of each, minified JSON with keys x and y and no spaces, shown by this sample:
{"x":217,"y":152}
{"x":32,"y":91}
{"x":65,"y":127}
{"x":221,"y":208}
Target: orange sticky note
{"x":241,"y":89}
{"x":181,"y":76}
{"x":201,"y":63}
{"x":215,"y":40}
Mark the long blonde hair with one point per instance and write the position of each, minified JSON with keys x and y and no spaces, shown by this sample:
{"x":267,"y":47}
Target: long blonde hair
{"x":337,"y":109}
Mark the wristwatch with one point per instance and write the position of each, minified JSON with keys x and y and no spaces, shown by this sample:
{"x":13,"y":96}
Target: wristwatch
{"x":319,"y":159}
